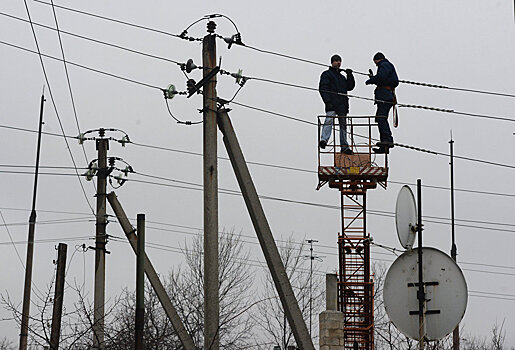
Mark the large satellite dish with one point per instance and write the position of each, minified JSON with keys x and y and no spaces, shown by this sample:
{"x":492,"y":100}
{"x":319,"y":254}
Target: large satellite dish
{"x":406,"y":217}
{"x":445,"y":287}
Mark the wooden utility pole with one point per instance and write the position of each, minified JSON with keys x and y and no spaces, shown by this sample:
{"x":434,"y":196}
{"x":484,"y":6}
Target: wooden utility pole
{"x":58,"y":296}
{"x":421,"y":294}
{"x":102,"y":145}
{"x":30,"y":243}
{"x":140,"y":283}
{"x":454,"y":249}
{"x":211,"y":298}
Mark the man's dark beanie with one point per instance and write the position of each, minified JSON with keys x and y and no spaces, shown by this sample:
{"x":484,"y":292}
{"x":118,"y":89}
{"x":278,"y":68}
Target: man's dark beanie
{"x":379,"y":56}
{"x":336,"y":58}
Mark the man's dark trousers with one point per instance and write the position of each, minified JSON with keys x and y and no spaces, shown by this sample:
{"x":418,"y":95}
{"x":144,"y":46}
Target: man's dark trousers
{"x":382,"y":123}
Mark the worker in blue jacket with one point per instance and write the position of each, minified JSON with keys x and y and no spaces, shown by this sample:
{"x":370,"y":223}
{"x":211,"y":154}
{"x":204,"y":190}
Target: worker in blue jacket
{"x":333,"y":89}
{"x":386,"y":80}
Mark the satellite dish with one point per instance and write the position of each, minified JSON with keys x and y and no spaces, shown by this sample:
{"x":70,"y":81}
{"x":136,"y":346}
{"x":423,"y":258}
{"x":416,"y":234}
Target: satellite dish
{"x":445,"y":287}
{"x":406,"y":217}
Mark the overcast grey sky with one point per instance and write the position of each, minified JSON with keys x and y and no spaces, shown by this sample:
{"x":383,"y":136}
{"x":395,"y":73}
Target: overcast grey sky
{"x":460,"y":43}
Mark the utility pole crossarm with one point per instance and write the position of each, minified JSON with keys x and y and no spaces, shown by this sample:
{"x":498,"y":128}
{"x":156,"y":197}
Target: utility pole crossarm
{"x":264,"y":234}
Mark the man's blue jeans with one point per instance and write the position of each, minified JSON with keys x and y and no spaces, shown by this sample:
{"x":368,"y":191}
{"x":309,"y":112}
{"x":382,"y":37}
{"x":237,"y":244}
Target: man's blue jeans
{"x":328,"y":128}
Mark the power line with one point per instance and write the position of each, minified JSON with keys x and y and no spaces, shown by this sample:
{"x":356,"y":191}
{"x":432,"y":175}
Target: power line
{"x":11,"y":240}
{"x":397,"y":144}
{"x":40,"y":173}
{"x":303,"y":170}
{"x":271,"y":112}
{"x":330,"y":247}
{"x":68,"y":78}
{"x":270,"y":52}
{"x":95,"y":40}
{"x":50,"y":240}
{"x":112,"y":20}
{"x":249,"y":78}
{"x":261,"y":264}
{"x":291,"y":57}
{"x":51,"y":222}
{"x":53,"y":101}
{"x":41,"y":166}
{"x":242,"y":235}
{"x":389,"y":253}
{"x":436,"y":109}
{"x":175,"y":150}
{"x":83,"y":66}
{"x":431,"y":219}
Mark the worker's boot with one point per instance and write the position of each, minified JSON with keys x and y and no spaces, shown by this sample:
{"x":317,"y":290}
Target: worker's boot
{"x":380,"y":150}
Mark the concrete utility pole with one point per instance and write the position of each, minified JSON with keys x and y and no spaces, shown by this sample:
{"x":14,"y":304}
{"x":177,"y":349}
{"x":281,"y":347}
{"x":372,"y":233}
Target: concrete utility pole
{"x":211,"y":298}
{"x":264,"y":234}
{"x":58,"y":296}
{"x":184,"y":337}
{"x":30,"y":244}
{"x":100,"y":244}
{"x":140,"y":283}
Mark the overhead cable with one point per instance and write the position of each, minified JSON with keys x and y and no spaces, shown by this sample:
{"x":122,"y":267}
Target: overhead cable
{"x":270,"y":52}
{"x":68,"y":79}
{"x":54,"y":104}
{"x":83,"y":66}
{"x":97,"y":41}
{"x":168,"y":149}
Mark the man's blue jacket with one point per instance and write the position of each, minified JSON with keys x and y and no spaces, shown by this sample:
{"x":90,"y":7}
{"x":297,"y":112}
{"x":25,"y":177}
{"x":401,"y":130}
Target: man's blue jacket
{"x":332,"y":81}
{"x":386,"y":77}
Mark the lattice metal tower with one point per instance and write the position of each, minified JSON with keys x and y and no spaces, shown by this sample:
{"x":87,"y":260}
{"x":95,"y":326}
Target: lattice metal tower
{"x":353,"y":175}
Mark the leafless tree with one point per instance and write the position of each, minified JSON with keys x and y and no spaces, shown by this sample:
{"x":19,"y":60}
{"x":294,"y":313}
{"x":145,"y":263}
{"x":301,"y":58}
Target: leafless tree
{"x":496,"y":341}
{"x":185,"y":288}
{"x":269,"y":313}
{"x":6,"y":344}
{"x":77,"y":319}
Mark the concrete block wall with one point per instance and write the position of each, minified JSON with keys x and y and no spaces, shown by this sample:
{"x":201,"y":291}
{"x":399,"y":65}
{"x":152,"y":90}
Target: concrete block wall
{"x":331,"y":330}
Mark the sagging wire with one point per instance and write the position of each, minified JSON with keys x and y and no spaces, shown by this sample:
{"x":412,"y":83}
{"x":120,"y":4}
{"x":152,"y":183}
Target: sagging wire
{"x":184,"y":34}
{"x":399,"y":105}
{"x":234,"y":39}
{"x":312,"y":123}
{"x":187,"y":122}
{"x":367,"y":74}
{"x":170,"y":93}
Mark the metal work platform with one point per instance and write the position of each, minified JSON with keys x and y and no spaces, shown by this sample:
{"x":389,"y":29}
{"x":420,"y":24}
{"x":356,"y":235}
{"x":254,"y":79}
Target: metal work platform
{"x":354,"y":174}
{"x":364,"y":169}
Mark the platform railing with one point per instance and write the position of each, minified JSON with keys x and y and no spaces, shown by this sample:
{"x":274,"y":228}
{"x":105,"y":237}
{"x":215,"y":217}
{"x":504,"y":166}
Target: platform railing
{"x":336,"y":165}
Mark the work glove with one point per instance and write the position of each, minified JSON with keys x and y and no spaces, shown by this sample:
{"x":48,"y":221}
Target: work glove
{"x":370,"y":73}
{"x":348,"y":71}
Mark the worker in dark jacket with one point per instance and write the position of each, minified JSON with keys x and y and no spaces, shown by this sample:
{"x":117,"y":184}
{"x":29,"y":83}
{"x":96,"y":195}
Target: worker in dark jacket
{"x":386,"y":80}
{"x":333,"y":89}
